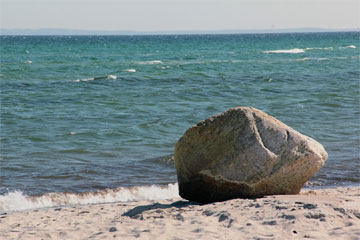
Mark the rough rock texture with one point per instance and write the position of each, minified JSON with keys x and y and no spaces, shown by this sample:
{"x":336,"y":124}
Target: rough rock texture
{"x":244,"y":153}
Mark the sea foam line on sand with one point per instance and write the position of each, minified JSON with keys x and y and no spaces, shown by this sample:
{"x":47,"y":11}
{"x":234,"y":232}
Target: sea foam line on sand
{"x":314,"y":214}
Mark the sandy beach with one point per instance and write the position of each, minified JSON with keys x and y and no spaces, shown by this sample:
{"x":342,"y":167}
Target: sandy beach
{"x":313,"y":214}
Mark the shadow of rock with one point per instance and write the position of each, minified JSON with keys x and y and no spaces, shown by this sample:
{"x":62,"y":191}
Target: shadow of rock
{"x":136,"y":211}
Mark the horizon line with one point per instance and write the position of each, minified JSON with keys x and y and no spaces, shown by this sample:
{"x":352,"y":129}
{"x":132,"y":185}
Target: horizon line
{"x":65,"y":31}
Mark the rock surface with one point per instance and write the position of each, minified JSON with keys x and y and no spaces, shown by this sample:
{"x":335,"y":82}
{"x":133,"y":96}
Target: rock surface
{"x":244,"y":153}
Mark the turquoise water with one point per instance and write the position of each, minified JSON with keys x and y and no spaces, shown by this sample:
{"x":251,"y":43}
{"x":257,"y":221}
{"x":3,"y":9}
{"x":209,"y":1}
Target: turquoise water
{"x":82,"y":113}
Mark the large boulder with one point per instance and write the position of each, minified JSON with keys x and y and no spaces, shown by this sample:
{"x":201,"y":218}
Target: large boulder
{"x":244,"y":153}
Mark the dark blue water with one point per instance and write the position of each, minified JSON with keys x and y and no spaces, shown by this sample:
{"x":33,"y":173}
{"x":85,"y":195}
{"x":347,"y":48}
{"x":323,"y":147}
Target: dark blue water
{"x":85,"y":113}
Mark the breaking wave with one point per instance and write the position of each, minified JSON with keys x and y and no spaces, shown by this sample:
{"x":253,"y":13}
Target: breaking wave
{"x":18,"y":201}
{"x":300,"y":50}
{"x":108,"y":77}
{"x":295,"y":50}
{"x":150,"y":62}
{"x":326,"y":48}
{"x":129,"y":70}
{"x":351,"y":46}
{"x":321,"y":59}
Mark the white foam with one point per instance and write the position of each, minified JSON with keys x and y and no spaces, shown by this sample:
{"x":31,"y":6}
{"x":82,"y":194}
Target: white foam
{"x":314,"y":59}
{"x":28,"y":62}
{"x":299,"y":50}
{"x":108,"y":77}
{"x":304,"y":59}
{"x":295,"y":50}
{"x":351,"y":46}
{"x":151,"y":62}
{"x":17,"y":201}
{"x":113,"y":77}
{"x":84,"y":80}
{"x":318,"y":48}
{"x":129,"y":70}
{"x":321,"y":59}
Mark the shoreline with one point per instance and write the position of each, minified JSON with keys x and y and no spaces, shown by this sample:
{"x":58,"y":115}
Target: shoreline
{"x":139,"y":193}
{"x":329,"y":213}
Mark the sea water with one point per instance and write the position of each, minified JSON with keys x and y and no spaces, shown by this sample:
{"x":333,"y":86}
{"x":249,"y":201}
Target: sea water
{"x":88,"y":119}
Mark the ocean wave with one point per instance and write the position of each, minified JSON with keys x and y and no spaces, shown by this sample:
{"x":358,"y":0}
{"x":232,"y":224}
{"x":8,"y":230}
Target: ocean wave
{"x":351,"y":46}
{"x":202,"y":62}
{"x":28,"y":62}
{"x":305,"y":59}
{"x":295,"y":50}
{"x":18,"y":201}
{"x":314,"y":183}
{"x":301,"y":50}
{"x":84,"y":80}
{"x":108,"y":77}
{"x":129,"y":70}
{"x":113,"y":77}
{"x":319,"y":48}
{"x":321,"y":59}
{"x":150,"y":62}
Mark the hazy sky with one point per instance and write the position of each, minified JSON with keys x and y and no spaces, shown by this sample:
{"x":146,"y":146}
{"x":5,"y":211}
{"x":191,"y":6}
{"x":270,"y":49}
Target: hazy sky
{"x":160,"y":15}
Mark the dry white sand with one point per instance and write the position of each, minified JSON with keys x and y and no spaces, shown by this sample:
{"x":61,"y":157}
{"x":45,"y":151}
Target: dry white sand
{"x":316,"y":214}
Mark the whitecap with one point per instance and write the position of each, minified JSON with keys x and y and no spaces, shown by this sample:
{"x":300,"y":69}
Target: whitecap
{"x":295,"y":50}
{"x":28,"y":62}
{"x":155,"y":62}
{"x":129,"y":70}
{"x":304,"y":59}
{"x":151,"y":62}
{"x":84,"y":80}
{"x":321,"y":59}
{"x":351,"y":46}
{"x":113,"y":77}
{"x":319,"y":48}
{"x":18,"y":201}
{"x":108,"y":77}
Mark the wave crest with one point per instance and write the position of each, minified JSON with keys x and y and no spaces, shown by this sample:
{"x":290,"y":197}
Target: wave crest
{"x":129,"y":70}
{"x":351,"y":46}
{"x":108,"y":77}
{"x":17,"y":201}
{"x":300,"y":50}
{"x":151,"y":62}
{"x":295,"y":50}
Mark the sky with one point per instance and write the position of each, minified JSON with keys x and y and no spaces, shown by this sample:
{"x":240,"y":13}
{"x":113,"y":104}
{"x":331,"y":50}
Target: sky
{"x":179,"y":15}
